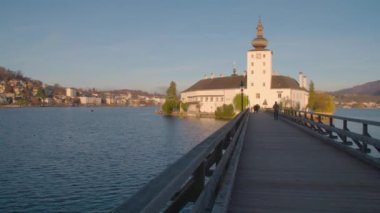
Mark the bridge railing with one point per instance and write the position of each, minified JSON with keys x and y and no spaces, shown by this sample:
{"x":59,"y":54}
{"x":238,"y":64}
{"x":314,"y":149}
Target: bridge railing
{"x":358,"y":142}
{"x":193,"y":180}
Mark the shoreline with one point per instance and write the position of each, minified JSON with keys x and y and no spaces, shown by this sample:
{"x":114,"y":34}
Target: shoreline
{"x":67,"y":106}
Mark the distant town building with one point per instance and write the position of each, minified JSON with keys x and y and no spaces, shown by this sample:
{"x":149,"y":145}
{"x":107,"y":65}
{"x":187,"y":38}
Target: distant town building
{"x":158,"y":100}
{"x":18,"y":90}
{"x":70,"y":92}
{"x":90,"y":100}
{"x":261,"y":84}
{"x":110,"y":100}
{"x":2,"y":86}
{"x":35,"y":91}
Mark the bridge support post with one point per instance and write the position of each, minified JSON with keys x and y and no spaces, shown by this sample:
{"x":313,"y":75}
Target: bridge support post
{"x":218,"y":152}
{"x":344,"y":137}
{"x":364,"y":147}
{"x":199,"y":181}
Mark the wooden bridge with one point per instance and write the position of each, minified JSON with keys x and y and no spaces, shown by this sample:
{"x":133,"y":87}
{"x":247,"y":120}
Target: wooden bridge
{"x":303,"y":162}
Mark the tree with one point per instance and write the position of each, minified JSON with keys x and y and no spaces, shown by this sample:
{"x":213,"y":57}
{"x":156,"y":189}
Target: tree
{"x":171,"y":101}
{"x":237,"y":101}
{"x":171,"y":92}
{"x":312,"y":98}
{"x":58,"y":90}
{"x":324,"y":103}
{"x":41,"y":93}
{"x":320,"y":102}
{"x":184,"y":106}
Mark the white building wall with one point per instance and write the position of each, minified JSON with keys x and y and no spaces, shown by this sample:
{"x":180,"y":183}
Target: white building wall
{"x":209,"y":100}
{"x":259,"y":76}
{"x":70,"y":92}
{"x":90,"y":100}
{"x":301,"y":79}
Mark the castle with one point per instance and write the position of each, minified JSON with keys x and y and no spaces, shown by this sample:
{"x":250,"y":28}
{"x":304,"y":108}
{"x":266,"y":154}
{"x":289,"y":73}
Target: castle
{"x":260,"y":84}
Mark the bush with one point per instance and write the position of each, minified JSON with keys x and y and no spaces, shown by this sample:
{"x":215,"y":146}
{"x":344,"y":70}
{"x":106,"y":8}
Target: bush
{"x":184,"y":106}
{"x":22,"y":102}
{"x":225,"y":112}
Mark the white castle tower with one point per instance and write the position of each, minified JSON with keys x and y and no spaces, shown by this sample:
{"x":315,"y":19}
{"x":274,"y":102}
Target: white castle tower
{"x":259,"y":70}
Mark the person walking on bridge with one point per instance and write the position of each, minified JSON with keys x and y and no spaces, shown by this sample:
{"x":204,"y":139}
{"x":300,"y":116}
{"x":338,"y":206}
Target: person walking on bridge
{"x":276,"y":108}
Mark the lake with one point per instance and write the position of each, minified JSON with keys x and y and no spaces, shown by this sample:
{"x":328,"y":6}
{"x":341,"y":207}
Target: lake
{"x":92,"y":159}
{"x":366,"y":114}
{"x":87,"y":159}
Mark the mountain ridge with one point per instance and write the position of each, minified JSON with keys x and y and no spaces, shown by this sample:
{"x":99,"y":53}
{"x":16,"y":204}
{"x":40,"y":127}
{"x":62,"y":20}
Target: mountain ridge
{"x":371,"y":88}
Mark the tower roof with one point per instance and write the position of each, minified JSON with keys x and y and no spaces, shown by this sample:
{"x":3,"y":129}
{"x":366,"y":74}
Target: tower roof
{"x":259,"y":42}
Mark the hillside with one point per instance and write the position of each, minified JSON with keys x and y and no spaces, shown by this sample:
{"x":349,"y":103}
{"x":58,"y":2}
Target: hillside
{"x":367,"y":89}
{"x":17,"y":89}
{"x":362,"y":96}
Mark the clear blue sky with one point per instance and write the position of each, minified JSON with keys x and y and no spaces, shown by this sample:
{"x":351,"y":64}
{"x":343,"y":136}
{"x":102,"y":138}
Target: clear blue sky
{"x":146,"y":44}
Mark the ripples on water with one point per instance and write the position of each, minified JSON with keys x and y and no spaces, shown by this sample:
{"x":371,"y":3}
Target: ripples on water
{"x":75,"y":159}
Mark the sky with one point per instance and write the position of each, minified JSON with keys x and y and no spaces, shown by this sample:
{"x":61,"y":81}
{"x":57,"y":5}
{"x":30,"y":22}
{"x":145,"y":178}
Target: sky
{"x":111,"y":44}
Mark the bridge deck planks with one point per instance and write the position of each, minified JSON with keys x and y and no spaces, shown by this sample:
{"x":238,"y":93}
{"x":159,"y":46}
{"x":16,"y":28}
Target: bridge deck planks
{"x":283,"y":169}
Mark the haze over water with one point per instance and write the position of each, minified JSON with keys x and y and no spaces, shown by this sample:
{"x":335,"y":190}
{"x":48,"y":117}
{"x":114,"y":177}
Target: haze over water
{"x":75,"y":159}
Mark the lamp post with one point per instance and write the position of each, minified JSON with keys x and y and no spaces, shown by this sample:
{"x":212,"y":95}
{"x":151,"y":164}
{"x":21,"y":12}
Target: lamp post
{"x":241,"y":91}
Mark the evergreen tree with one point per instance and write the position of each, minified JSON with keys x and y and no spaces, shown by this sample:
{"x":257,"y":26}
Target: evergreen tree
{"x":171,"y":102}
{"x":171,"y":92}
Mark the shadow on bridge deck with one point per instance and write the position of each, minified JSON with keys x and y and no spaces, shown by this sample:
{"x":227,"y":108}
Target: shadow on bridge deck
{"x":283,"y":169}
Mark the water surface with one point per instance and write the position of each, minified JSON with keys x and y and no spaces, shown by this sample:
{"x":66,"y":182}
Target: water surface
{"x":365,"y":114}
{"x":87,"y":159}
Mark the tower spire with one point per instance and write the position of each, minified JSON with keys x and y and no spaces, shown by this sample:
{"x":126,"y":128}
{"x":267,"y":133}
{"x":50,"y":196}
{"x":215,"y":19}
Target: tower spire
{"x":234,"y":69}
{"x":259,"y":28}
{"x":259,"y":42}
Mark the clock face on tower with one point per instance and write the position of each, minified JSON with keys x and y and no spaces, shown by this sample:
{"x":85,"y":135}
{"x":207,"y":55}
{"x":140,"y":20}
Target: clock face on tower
{"x":258,"y":55}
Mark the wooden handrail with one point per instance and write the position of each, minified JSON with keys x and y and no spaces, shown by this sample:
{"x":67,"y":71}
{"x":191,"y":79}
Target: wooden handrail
{"x":360,"y":144}
{"x":184,"y":180}
{"x":373,"y":123}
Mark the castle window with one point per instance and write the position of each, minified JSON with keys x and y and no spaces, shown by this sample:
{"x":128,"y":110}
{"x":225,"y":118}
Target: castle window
{"x":263,"y":55}
{"x":206,"y":99}
{"x":263,"y":71}
{"x":279,"y":95}
{"x":221,"y":99}
{"x":251,"y":84}
{"x":211,"y":99}
{"x":258,"y":95}
{"x":263,"y":84}
{"x":263,"y":63}
{"x":252,"y":64}
{"x":252,"y":72}
{"x":216,"y":99}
